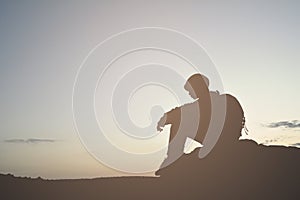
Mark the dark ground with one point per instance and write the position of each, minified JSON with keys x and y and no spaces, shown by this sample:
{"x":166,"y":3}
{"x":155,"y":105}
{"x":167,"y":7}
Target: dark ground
{"x":244,"y":171}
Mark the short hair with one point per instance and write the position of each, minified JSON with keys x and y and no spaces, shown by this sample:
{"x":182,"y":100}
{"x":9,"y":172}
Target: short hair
{"x":198,"y":83}
{"x":198,"y":79}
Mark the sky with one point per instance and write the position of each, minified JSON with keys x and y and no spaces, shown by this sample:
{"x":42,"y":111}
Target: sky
{"x":253,"y":44}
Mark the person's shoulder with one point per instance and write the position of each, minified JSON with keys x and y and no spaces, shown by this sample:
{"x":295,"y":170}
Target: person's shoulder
{"x":185,"y":106}
{"x":191,"y":104}
{"x":175,"y":109}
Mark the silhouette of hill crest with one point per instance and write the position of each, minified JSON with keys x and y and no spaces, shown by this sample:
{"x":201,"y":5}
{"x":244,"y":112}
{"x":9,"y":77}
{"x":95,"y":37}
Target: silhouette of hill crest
{"x":247,"y":171}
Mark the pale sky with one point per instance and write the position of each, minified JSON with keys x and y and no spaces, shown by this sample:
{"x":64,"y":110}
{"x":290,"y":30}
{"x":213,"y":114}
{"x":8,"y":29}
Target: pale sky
{"x":254,"y":45}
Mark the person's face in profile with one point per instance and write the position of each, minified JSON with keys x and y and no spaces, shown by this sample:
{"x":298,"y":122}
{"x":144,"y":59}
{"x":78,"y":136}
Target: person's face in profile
{"x":190,"y":90}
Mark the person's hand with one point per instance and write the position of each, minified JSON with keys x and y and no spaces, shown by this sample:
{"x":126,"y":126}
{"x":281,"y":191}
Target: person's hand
{"x":158,"y":128}
{"x":161,"y":123}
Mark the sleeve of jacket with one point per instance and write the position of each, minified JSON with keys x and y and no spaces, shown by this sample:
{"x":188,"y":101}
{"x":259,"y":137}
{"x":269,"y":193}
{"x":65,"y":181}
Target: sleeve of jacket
{"x":170,"y":117}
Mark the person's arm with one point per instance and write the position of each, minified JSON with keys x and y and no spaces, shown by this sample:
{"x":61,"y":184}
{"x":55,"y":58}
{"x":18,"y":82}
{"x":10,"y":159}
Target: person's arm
{"x":162,"y":122}
{"x":168,"y":118}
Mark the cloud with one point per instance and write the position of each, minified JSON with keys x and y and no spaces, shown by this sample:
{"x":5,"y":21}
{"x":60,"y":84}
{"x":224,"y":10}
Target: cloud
{"x":284,"y":124}
{"x":30,"y":141}
{"x":296,"y":144}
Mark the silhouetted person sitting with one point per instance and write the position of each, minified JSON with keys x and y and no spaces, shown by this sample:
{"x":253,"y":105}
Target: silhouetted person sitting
{"x":210,"y":114}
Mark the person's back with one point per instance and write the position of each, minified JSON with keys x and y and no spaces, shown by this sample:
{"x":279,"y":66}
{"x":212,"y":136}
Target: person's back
{"x":233,"y":122}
